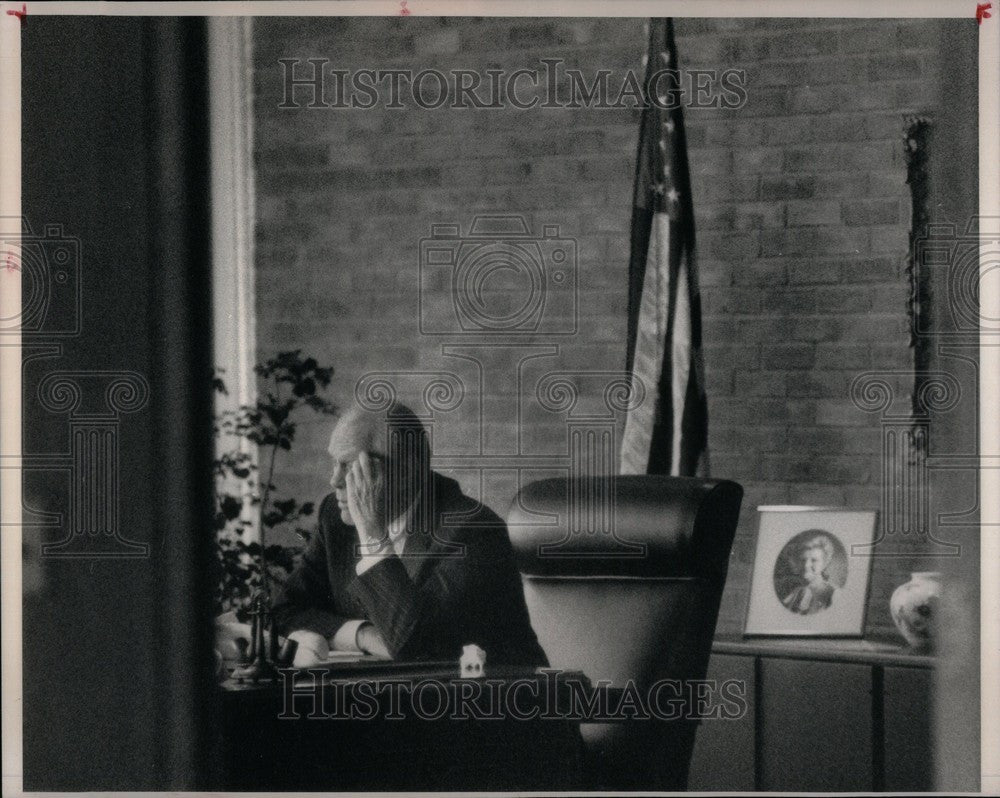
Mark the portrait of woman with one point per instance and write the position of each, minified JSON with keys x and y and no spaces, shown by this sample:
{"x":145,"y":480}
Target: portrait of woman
{"x":811,"y":567}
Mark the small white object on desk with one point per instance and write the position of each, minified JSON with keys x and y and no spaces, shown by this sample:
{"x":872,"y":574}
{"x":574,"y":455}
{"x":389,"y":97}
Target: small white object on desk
{"x":473,"y":662}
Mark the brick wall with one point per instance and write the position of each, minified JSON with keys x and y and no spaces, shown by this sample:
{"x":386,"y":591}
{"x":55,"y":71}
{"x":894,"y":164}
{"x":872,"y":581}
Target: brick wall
{"x":801,"y":207}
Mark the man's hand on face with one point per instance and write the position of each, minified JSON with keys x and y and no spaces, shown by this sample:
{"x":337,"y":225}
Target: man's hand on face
{"x":366,"y":502}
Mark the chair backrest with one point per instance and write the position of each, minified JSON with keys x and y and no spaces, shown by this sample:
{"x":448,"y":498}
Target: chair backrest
{"x":623,"y":577}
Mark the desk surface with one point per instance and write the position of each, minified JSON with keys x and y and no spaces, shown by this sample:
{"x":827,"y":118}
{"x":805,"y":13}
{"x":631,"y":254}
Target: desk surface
{"x":874,"y":652}
{"x":371,"y":669}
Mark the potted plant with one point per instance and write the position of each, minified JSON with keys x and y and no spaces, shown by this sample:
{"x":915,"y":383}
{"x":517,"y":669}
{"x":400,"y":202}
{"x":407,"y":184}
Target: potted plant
{"x":246,"y":496}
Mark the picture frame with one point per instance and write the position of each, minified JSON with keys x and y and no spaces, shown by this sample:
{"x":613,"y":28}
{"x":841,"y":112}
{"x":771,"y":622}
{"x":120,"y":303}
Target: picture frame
{"x":811,"y":572}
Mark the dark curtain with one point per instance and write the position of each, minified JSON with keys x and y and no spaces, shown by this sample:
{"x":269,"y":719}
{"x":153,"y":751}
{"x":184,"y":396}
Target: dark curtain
{"x":117,"y":656}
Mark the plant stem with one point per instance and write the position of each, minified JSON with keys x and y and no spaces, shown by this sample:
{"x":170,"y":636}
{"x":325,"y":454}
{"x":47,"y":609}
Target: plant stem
{"x":265,"y":497}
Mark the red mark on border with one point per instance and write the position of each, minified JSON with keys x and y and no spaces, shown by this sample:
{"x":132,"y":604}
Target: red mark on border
{"x":403,"y":10}
{"x":12,"y":265}
{"x":19,"y":14}
{"x":982,"y":12}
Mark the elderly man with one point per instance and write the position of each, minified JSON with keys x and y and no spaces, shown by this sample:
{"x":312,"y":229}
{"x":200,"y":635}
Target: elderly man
{"x":403,"y":564}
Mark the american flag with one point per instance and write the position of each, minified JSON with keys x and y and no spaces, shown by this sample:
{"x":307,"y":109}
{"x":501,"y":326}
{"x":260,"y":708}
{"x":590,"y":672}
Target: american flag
{"x":667,"y":433}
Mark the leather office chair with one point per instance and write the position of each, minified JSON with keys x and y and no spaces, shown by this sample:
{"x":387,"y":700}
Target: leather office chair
{"x":634,"y":601}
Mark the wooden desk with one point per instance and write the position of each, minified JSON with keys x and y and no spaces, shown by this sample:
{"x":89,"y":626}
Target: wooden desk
{"x":823,"y":715}
{"x":413,"y":728}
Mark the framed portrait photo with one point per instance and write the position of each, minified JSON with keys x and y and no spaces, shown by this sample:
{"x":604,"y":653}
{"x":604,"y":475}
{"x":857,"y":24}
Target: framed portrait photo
{"x":806,"y":582}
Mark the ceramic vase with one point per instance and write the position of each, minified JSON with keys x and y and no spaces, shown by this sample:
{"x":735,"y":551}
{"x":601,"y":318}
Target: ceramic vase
{"x":914,"y":608}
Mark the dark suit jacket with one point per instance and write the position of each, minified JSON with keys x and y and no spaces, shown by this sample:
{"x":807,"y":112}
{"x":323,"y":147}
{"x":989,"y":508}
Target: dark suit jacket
{"x":456,"y":583}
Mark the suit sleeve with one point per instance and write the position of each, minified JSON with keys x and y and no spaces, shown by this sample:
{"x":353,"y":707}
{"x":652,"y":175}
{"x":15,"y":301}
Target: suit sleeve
{"x":427,"y":621}
{"x":306,"y":601}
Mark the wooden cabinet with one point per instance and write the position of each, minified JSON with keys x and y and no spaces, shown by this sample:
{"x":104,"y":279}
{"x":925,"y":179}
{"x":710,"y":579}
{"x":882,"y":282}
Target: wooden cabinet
{"x":822,"y":716}
{"x":814,"y":726}
{"x":906,"y":706}
{"x":723,"y":759}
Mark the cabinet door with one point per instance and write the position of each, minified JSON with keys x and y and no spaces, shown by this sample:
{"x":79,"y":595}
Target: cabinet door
{"x":723,"y":759}
{"x":908,"y":764}
{"x":815,"y":726}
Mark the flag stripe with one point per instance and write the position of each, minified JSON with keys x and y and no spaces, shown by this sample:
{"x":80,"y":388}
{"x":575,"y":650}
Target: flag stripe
{"x":680,"y":364}
{"x":649,"y":349}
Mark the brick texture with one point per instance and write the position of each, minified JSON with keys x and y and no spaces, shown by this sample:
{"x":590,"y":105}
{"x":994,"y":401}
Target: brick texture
{"x":801,"y":208}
